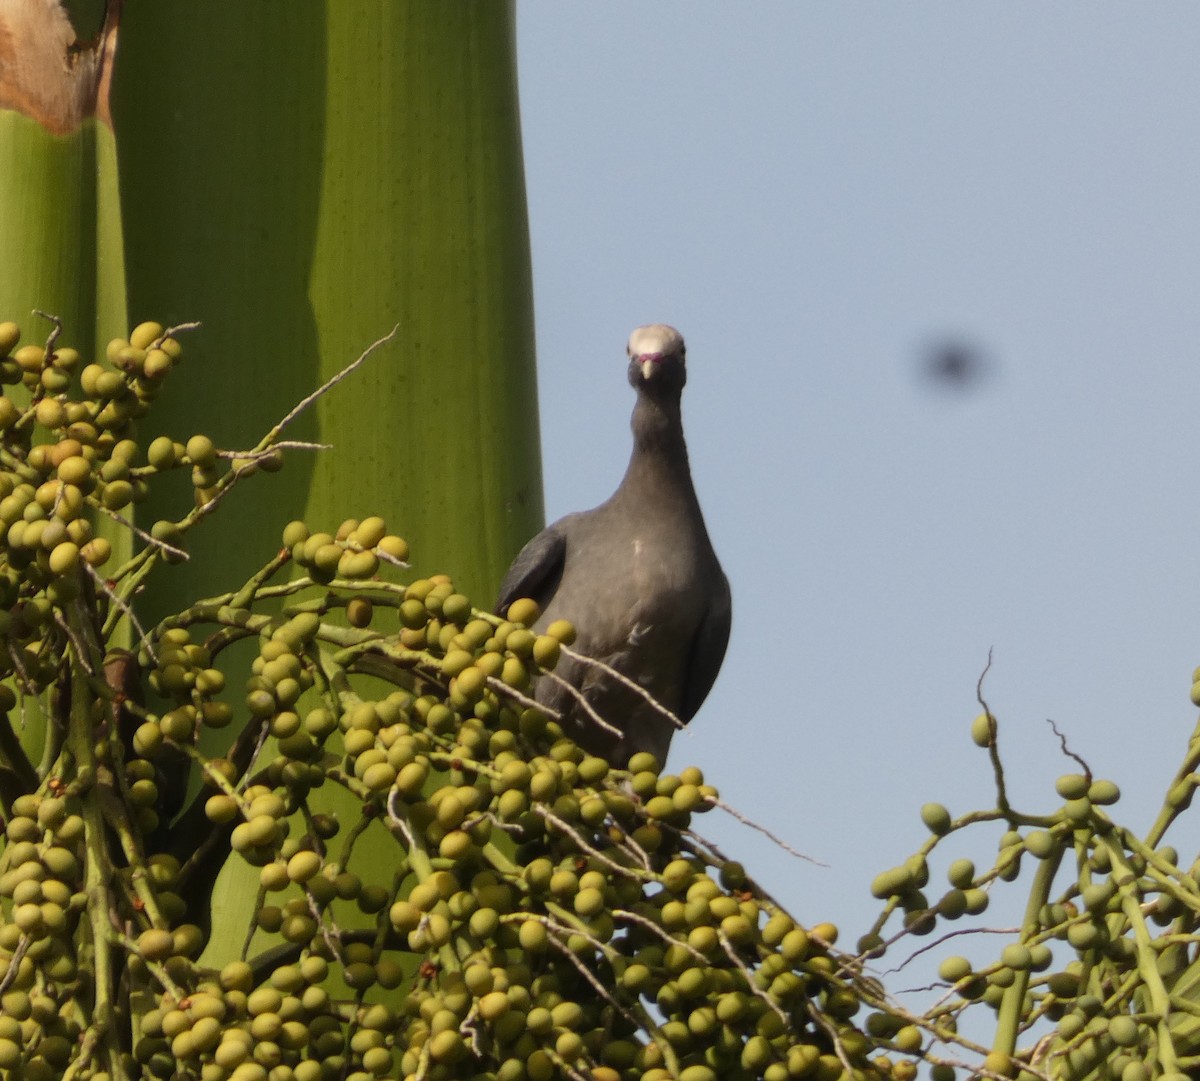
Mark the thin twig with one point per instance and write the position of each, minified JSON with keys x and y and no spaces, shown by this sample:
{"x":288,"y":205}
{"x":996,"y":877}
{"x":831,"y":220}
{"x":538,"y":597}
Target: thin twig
{"x":283,"y":444}
{"x":154,"y":542}
{"x":650,"y":925}
{"x":831,"y":1032}
{"x":14,"y":963}
{"x":258,"y":746}
{"x":252,"y":930}
{"x":304,"y":403}
{"x":993,"y":745}
{"x":494,"y":819}
{"x":714,"y":857}
{"x":946,"y":938}
{"x":395,"y":818}
{"x":16,"y":656}
{"x":271,"y":440}
{"x":585,"y":972}
{"x":469,"y":1028}
{"x":125,"y":608}
{"x":642,"y":855}
{"x":332,"y":938}
{"x":52,"y":340}
{"x":578,"y":695}
{"x":502,"y":688}
{"x":550,"y":816}
{"x":170,"y":332}
{"x":751,"y":982}
{"x":80,"y":647}
{"x":1062,"y":740}
{"x":763,"y":830}
{"x":564,"y":1065}
{"x":582,"y":658}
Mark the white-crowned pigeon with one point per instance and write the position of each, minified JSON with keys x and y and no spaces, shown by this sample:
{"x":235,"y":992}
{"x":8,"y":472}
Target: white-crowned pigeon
{"x":638,"y":578}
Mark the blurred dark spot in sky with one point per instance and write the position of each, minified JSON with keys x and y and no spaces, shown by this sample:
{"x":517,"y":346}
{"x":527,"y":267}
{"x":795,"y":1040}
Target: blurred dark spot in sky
{"x":954,"y":365}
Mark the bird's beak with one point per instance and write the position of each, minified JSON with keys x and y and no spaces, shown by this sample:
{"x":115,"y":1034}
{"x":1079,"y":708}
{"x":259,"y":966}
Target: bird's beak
{"x":647,"y":361}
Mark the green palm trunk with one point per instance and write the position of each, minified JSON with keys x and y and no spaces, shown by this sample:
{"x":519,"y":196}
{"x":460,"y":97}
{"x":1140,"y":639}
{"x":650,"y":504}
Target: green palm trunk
{"x":302,"y":178}
{"x":306,"y":180}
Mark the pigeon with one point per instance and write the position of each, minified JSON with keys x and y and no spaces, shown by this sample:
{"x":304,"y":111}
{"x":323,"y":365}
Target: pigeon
{"x":638,"y":578}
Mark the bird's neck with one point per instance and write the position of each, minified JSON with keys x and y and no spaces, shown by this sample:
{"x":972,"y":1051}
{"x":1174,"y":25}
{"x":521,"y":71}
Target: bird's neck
{"x":658,"y":467}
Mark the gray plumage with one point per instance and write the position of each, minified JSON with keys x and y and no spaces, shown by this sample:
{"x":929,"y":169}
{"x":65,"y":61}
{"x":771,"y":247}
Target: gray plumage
{"x":637,"y":576}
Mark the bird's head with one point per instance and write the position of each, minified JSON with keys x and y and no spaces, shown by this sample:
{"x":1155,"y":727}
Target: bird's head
{"x":656,"y":357}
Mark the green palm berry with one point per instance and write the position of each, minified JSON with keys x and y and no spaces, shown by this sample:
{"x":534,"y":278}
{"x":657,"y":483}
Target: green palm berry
{"x":10,"y":334}
{"x":1072,"y":786}
{"x":145,"y":334}
{"x":1040,"y":843}
{"x":524,"y":610}
{"x":50,"y":413}
{"x":892,"y":883}
{"x":983,"y":730}
{"x":156,"y":944}
{"x":563,"y":630}
{"x":936,"y":819}
{"x":303,"y":865}
{"x":201,"y":451}
{"x":394,"y":547}
{"x":359,"y":611}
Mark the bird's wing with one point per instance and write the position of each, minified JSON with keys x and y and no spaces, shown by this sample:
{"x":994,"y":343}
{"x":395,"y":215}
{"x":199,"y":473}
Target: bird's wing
{"x":536,"y":570}
{"x":708,"y":651}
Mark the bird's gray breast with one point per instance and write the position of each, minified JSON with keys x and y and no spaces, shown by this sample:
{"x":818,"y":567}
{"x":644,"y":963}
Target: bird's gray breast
{"x":636,"y":596}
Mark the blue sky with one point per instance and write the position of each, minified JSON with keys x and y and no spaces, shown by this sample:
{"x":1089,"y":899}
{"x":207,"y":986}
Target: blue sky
{"x":814,"y":194}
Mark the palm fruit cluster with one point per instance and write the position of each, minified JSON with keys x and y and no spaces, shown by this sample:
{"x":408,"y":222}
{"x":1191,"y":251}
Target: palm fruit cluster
{"x":542,"y":915}
{"x":447,"y":886}
{"x":1102,"y":983}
